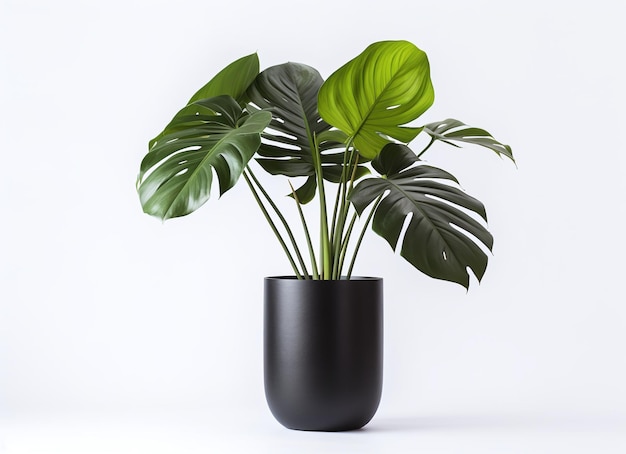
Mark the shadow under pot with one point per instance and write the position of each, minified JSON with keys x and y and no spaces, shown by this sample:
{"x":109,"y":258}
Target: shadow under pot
{"x":323,"y":351}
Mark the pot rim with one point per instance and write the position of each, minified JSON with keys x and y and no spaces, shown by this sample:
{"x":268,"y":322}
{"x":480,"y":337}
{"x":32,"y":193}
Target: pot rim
{"x":342,"y":279}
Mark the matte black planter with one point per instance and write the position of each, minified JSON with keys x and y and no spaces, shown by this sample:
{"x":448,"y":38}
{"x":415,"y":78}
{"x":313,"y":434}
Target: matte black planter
{"x":323,"y":349}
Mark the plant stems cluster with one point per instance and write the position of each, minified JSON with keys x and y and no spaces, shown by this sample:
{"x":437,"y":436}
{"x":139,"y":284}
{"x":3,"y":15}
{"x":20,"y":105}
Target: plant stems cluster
{"x":293,"y":121}
{"x":334,"y":238}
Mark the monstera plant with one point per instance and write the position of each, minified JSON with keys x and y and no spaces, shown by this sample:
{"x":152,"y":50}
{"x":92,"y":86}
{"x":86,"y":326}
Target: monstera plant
{"x":352,"y":130}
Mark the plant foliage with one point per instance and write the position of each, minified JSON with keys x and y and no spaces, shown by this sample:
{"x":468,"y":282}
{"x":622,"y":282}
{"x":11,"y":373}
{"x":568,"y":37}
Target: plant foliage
{"x":211,"y":134}
{"x":374,"y":95}
{"x":289,"y":92}
{"x":435,"y":241}
{"x":352,"y":130}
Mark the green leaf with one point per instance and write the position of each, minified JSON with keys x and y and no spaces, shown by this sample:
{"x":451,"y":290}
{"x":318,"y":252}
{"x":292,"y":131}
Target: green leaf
{"x":306,"y":192}
{"x":333,"y":135}
{"x":374,"y":95}
{"x":233,"y":80}
{"x":289,"y":91}
{"x":451,"y":130}
{"x":176,"y":175}
{"x":435,"y":241}
{"x":190,"y":113}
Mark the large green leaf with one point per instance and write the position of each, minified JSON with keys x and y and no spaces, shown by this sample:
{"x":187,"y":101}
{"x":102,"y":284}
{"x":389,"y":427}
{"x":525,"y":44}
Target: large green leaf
{"x":374,"y":95}
{"x":233,"y":80}
{"x":451,"y":130}
{"x":209,"y":135}
{"x":441,"y":238}
{"x":289,"y":91}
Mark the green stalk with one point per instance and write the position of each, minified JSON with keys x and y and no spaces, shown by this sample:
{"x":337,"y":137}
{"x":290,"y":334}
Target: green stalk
{"x":346,"y":239}
{"x":272,"y":225}
{"x":316,"y":275}
{"x":284,"y":222}
{"x":353,"y":176}
{"x":344,"y":244}
{"x":342,"y":212}
{"x":338,"y":195}
{"x":432,"y":140}
{"x":325,"y":254}
{"x":358,"y":243}
{"x":334,"y":216}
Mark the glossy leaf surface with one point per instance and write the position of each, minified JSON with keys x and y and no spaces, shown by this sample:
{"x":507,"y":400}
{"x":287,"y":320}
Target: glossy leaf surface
{"x":435,"y":241}
{"x":289,"y":91}
{"x":373,"y":96}
{"x":209,"y":135}
{"x":233,"y":80}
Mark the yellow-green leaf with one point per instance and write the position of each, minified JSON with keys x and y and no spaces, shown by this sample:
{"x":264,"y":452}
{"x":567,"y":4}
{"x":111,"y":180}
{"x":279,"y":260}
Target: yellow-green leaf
{"x":373,"y":97}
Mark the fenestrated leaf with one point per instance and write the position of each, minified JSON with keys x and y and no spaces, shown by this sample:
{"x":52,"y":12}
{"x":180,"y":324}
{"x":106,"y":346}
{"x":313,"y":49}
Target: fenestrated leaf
{"x":289,"y":91}
{"x":176,"y":175}
{"x":435,"y":241}
{"x":233,"y":81}
{"x":373,"y":96}
{"x":451,"y":130}
{"x":184,"y":119}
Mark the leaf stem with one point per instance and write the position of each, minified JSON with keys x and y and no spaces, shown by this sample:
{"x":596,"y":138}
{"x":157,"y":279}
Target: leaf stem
{"x":338,"y":195}
{"x":342,"y":212}
{"x":272,"y":225}
{"x":325,"y":254}
{"x":358,"y":243}
{"x":432,"y":140}
{"x":284,"y":222}
{"x":356,"y":165}
{"x":344,"y":244}
{"x":316,"y":275}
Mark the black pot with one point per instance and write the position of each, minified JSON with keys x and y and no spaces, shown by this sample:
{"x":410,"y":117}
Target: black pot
{"x":323,"y":349}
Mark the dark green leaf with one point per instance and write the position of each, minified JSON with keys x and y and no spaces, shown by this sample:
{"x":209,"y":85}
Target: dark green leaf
{"x":306,"y":192}
{"x":232,"y":80}
{"x":176,"y":175}
{"x":451,"y":130}
{"x":289,"y":91}
{"x":435,"y":241}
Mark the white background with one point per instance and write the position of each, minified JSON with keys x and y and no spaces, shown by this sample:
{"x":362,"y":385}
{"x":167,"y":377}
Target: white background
{"x":122,"y":334}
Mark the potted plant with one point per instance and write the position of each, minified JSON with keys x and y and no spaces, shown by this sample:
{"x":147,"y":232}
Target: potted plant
{"x":323,"y":326}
